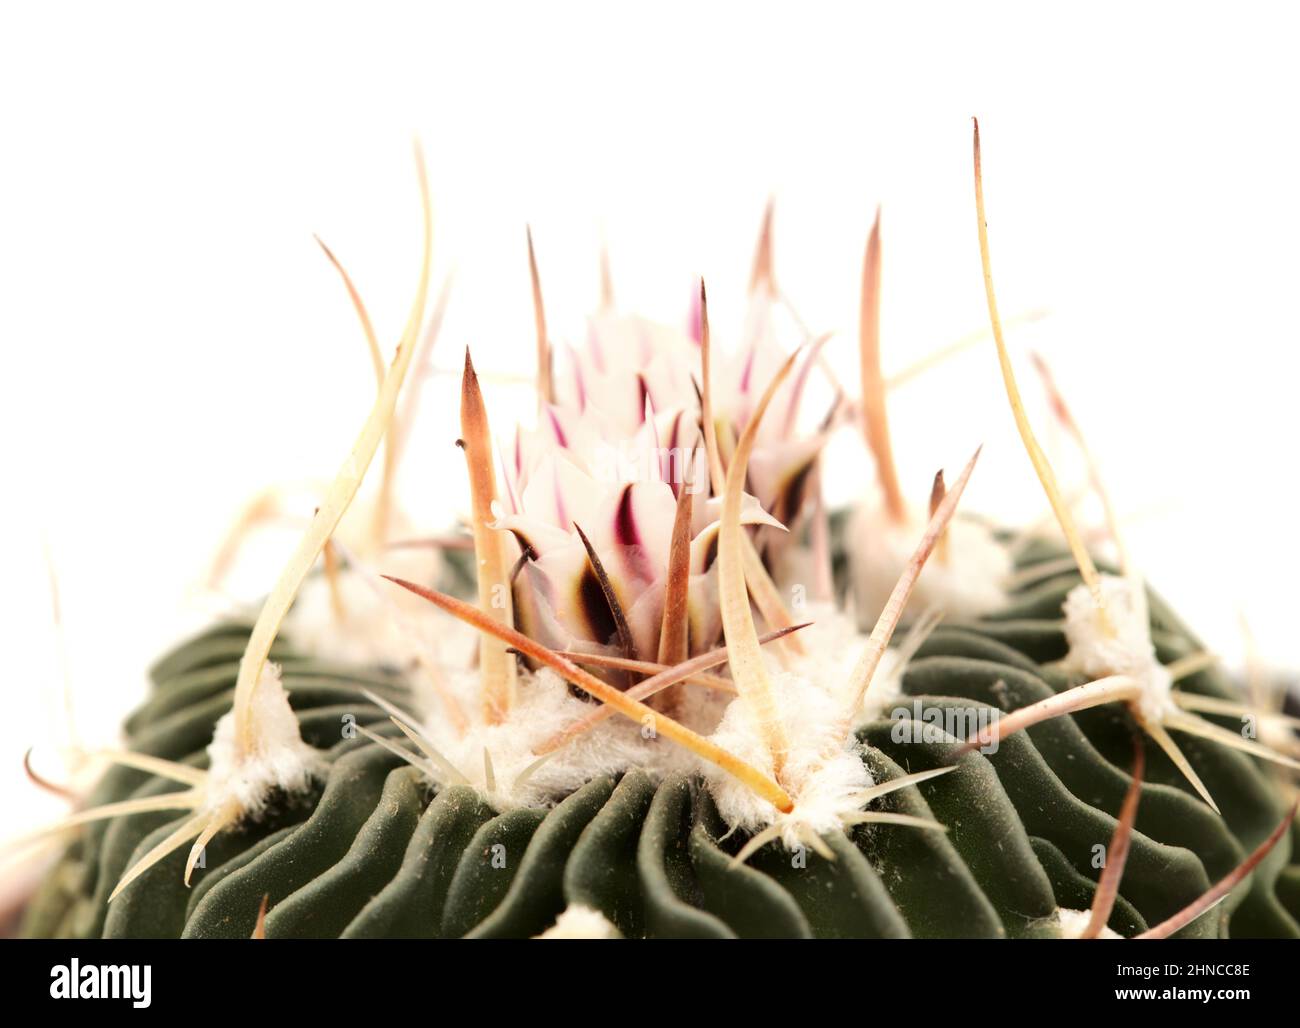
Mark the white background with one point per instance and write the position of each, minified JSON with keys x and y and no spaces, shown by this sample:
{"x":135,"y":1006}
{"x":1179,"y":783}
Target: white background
{"x":173,"y":340}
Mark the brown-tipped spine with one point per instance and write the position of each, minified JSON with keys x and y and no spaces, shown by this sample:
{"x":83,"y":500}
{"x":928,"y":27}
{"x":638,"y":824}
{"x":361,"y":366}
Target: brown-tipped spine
{"x":938,"y":490}
{"x":875,"y":416}
{"x":545,"y":384}
{"x":1103,"y":901}
{"x":496,"y":667}
{"x":674,"y":628}
{"x":763,"y":275}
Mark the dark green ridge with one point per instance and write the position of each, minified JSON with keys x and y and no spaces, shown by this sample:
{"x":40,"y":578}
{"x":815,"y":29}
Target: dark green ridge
{"x":410,"y":906}
{"x":1075,"y":892}
{"x":602,"y":873}
{"x":536,"y":895}
{"x":926,"y":877}
{"x":487,"y":867}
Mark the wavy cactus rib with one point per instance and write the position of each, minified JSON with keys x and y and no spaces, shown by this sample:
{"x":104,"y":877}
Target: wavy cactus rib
{"x":375,"y":854}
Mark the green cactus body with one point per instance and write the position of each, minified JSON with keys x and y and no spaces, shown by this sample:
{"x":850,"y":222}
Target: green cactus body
{"x":377,"y":852}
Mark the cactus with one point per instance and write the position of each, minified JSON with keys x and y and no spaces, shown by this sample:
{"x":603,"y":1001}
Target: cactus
{"x":630,"y":756}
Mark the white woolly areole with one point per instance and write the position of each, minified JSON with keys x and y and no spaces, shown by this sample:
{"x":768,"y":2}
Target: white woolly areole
{"x":544,"y":707}
{"x":832,"y":647}
{"x":823,"y":772}
{"x":969,"y":583}
{"x":581,"y":922}
{"x":1126,"y":649}
{"x":831,"y":643}
{"x":1073,"y":922}
{"x":278,"y":759}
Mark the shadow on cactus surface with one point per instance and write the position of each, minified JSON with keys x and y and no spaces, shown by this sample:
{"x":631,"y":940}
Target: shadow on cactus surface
{"x":564,"y":721}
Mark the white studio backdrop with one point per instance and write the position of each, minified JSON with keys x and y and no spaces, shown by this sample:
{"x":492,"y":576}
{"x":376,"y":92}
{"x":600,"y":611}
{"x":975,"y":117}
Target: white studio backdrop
{"x":174,"y":340}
